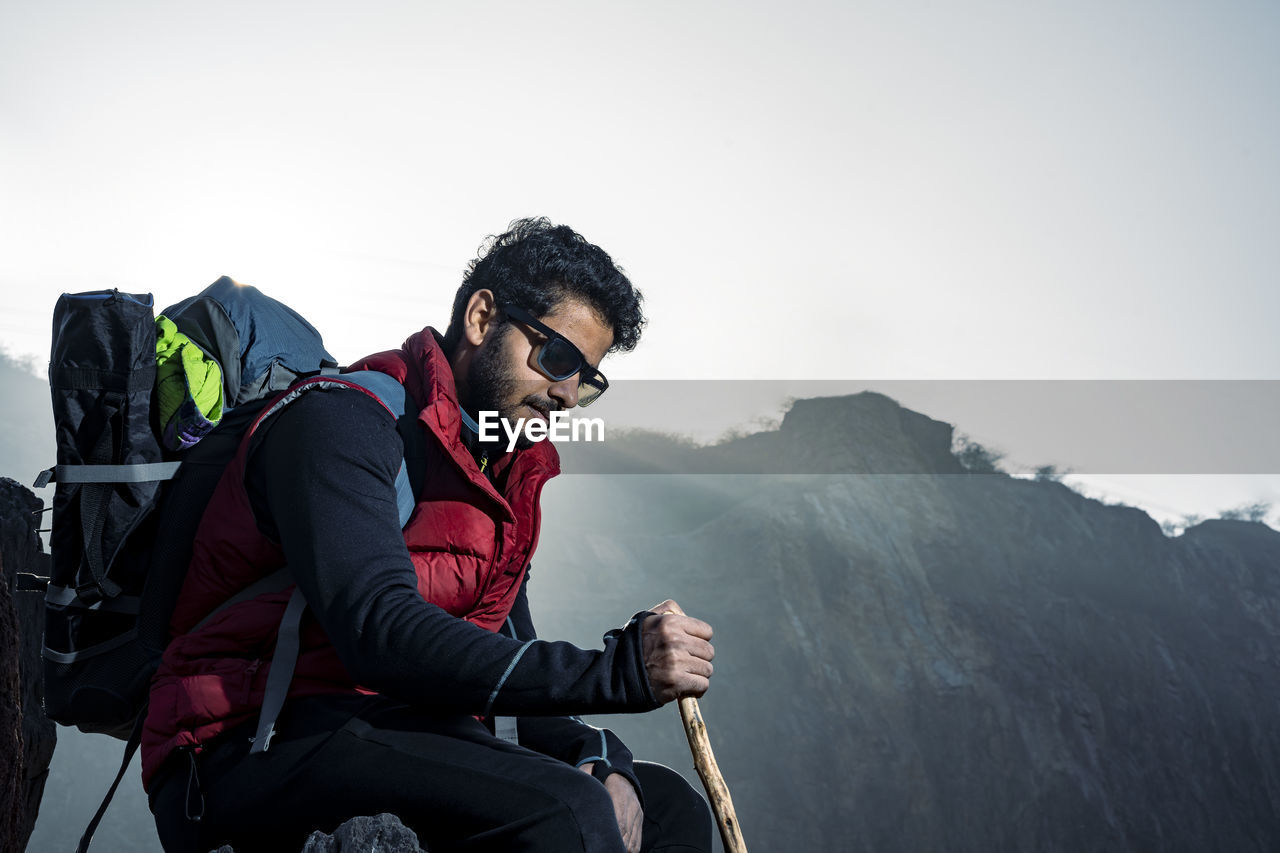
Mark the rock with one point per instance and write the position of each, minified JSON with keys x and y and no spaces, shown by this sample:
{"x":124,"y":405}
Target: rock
{"x":12,"y":798}
{"x":381,"y":834}
{"x":26,"y":737}
{"x":866,"y":433}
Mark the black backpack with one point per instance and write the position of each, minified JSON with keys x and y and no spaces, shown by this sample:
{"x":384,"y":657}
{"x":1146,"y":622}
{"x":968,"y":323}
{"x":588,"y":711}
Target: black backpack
{"x":125,"y":510}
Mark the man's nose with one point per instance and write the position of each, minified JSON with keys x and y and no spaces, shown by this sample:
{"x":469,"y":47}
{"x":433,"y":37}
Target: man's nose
{"x":566,"y":392}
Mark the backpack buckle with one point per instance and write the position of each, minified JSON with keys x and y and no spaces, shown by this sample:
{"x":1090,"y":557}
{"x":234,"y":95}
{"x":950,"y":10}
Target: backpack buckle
{"x":91,"y":593}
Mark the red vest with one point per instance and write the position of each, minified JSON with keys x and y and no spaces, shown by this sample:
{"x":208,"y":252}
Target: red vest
{"x":470,"y":548}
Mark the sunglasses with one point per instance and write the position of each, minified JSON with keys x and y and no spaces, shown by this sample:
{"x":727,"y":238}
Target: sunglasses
{"x":558,"y":358}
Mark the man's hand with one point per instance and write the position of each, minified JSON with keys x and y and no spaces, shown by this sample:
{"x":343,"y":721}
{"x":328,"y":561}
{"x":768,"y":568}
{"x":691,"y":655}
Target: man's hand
{"x":677,"y":653}
{"x":626,"y":807}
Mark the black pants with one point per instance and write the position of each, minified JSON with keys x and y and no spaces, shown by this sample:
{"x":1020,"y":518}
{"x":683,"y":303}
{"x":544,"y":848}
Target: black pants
{"x":447,"y":778}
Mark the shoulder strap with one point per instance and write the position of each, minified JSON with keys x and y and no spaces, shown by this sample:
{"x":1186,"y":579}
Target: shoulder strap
{"x":288,"y":639}
{"x":393,"y":396}
{"x":283,"y":661}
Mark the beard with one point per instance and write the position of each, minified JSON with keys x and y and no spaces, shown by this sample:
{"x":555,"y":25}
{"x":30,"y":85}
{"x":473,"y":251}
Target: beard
{"x":492,"y":388}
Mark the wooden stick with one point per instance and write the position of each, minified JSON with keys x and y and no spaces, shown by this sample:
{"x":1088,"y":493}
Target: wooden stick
{"x":704,"y":761}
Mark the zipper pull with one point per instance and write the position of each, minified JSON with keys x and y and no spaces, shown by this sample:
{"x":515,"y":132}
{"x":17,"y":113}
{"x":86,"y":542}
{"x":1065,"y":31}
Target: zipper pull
{"x":484,"y":460}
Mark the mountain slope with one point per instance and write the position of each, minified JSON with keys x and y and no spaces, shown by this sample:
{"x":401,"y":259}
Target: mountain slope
{"x":943,"y":661}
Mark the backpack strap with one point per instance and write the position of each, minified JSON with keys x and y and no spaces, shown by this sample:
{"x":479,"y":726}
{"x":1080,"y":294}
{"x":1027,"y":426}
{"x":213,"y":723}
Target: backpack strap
{"x":94,"y":497}
{"x":95,"y":480}
{"x":393,"y":396}
{"x":29,"y":582}
{"x":96,"y":649}
{"x":283,"y":661}
{"x":507,"y":728}
{"x":274,"y":582}
{"x":143,"y":472}
{"x":288,"y":639}
{"x":135,"y":738}
{"x":95,"y":477}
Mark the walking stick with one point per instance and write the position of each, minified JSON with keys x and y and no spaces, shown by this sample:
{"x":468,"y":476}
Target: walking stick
{"x":704,"y":761}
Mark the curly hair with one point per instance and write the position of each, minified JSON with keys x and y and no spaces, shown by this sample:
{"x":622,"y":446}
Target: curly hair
{"x":536,"y":264}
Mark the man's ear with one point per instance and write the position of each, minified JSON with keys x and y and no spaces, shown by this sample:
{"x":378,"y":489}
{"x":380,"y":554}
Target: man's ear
{"x":480,"y":317}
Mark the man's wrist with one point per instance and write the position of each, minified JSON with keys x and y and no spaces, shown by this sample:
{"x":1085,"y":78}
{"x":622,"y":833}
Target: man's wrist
{"x":603,"y":771}
{"x":630,"y":780}
{"x":636,"y":627}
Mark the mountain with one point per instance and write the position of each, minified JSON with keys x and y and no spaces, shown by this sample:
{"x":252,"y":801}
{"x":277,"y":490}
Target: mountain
{"x":26,"y":422}
{"x":939,"y":660}
{"x":910,"y":656}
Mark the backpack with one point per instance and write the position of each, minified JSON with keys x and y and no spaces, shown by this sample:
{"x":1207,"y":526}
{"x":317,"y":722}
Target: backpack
{"x":118,"y":547}
{"x":134,"y":476}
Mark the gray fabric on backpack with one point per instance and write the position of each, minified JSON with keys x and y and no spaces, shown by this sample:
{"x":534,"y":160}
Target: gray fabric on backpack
{"x":262,"y":345}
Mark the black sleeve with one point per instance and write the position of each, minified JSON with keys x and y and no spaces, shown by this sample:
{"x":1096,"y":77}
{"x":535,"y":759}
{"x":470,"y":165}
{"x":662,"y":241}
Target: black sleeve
{"x":322,"y":483}
{"x":567,"y":738}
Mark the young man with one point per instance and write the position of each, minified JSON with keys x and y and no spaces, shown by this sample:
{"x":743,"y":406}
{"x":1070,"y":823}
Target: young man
{"x":416,"y":639}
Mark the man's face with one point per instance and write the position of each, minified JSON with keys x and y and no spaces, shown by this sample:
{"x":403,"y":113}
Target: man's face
{"x":504,"y":375}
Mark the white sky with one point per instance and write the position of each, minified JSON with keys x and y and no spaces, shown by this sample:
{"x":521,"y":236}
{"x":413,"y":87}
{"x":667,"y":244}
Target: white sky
{"x":1085,"y":190}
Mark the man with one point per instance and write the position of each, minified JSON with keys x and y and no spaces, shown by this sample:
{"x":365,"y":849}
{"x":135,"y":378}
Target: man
{"x":401,"y":670}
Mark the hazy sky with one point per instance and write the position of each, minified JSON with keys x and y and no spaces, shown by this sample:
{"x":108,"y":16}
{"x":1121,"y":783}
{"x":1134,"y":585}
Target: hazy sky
{"x":802,"y":190}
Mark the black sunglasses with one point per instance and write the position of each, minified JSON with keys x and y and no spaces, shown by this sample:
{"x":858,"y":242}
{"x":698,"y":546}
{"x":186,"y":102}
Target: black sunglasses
{"x":558,"y":358}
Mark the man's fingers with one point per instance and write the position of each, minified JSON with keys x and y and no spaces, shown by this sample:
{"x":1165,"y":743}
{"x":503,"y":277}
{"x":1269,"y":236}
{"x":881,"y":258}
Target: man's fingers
{"x":676,"y":637}
{"x":668,"y":606}
{"x":691,"y":625}
{"x":696,"y":627}
{"x":699,"y":667}
{"x":672,"y":621}
{"x":701,"y":649}
{"x":692,"y":685}
{"x":687,"y":684}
